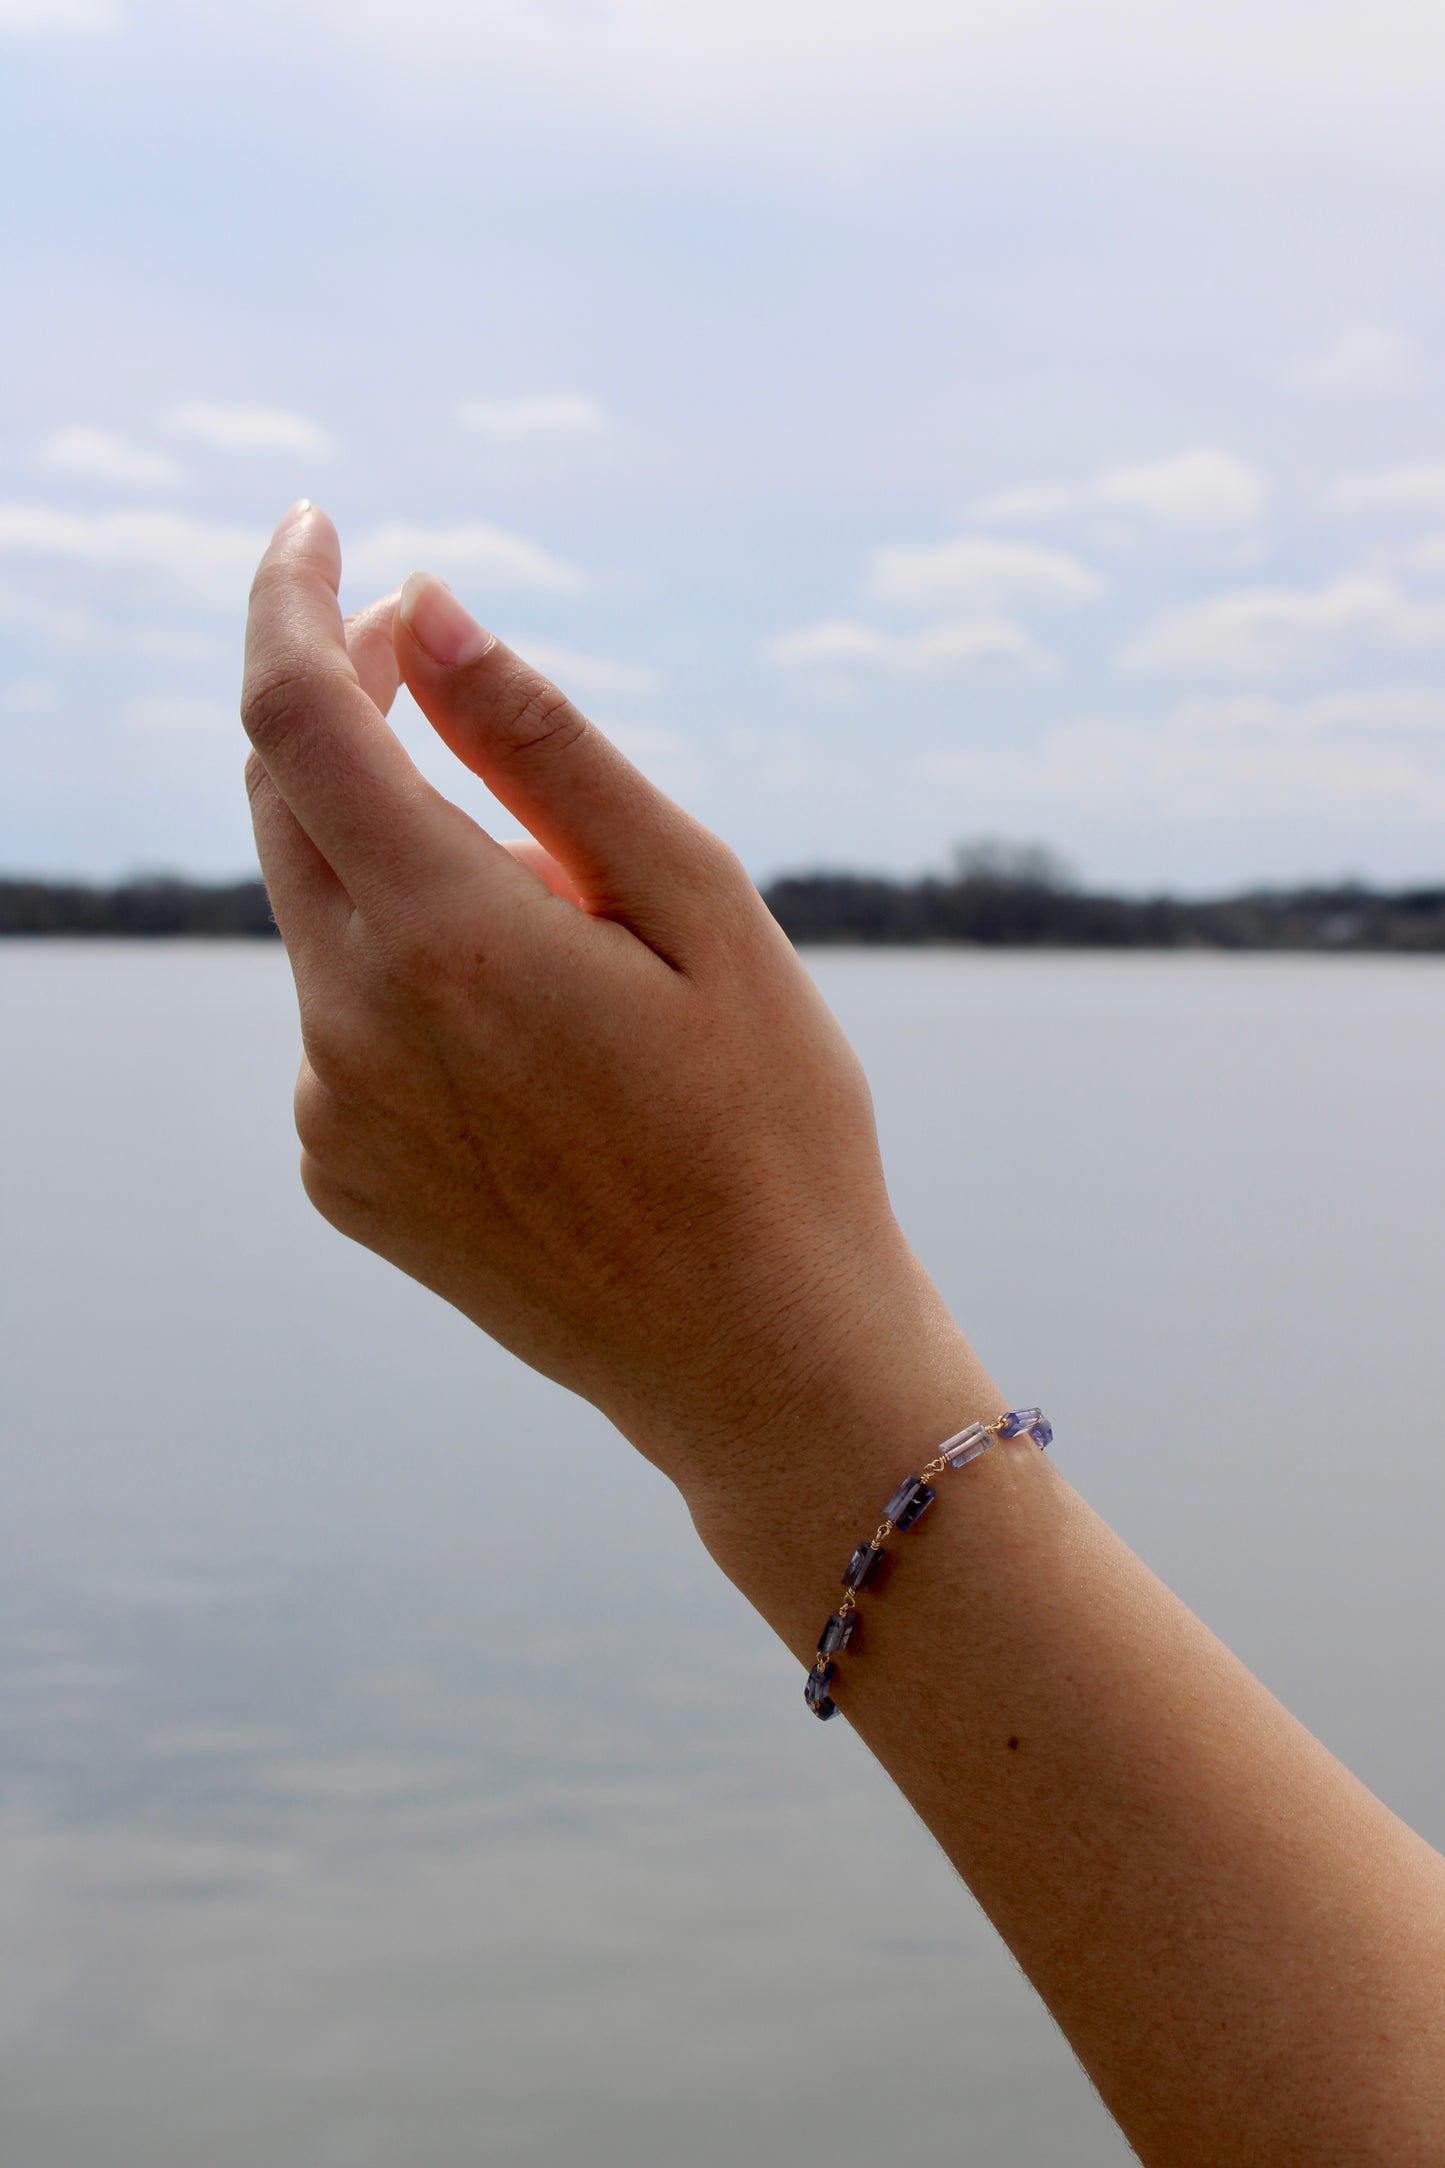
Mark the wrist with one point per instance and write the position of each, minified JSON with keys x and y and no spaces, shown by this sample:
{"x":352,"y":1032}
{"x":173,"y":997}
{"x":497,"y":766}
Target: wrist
{"x":780,"y":1491}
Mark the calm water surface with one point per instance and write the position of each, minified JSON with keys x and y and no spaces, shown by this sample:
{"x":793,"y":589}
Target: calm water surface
{"x":388,"y":1777}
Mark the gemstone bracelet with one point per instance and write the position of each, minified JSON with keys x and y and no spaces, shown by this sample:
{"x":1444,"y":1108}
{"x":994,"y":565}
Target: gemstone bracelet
{"x":904,"y":1510}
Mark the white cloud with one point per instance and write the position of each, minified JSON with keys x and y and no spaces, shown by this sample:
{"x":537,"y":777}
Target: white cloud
{"x":66,"y":625}
{"x":670,"y":759}
{"x":179,"y":711}
{"x":1228,"y":758}
{"x":250,"y":429}
{"x":209,"y":561}
{"x":1390,"y":711}
{"x":1417,"y":490}
{"x":485,"y":554}
{"x":977,"y":573}
{"x":1362,"y":357}
{"x":644,"y":741}
{"x":745,"y":70}
{"x":1202,"y":491}
{"x":34,"y":17}
{"x":99,"y":455}
{"x":1261,"y":631}
{"x":1427,"y":556}
{"x":29,"y":696}
{"x":575,"y":672}
{"x":987,"y":643}
{"x":548,"y":414}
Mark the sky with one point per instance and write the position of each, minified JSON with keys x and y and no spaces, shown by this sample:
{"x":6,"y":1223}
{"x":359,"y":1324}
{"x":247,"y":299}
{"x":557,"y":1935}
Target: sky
{"x":897,"y":425}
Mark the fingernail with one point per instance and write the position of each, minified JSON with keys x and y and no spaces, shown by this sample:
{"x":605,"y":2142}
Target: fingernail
{"x":437,"y":622}
{"x":293,"y":518}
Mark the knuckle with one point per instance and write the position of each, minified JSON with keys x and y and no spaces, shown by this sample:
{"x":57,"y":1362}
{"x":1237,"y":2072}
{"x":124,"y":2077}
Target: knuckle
{"x":258,"y":777}
{"x":275,"y":701}
{"x":720,"y":866}
{"x":270,"y":703}
{"x":339,"y":1206}
{"x":537,"y":719}
{"x":333,"y":1065}
{"x":317,"y":1116}
{"x":734,"y":916}
{"x":720,"y":877}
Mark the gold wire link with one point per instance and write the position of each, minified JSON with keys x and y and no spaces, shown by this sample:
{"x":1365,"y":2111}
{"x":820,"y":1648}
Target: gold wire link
{"x":880,"y":1536}
{"x":936,"y":1467}
{"x":849,"y":1603}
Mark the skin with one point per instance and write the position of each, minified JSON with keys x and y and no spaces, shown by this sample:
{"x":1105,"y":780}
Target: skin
{"x":583,"y":1089}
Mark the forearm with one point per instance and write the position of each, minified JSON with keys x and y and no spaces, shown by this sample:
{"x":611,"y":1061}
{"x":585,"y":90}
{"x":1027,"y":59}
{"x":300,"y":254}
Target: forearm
{"x":1244,"y":1947}
{"x":589,"y":1096}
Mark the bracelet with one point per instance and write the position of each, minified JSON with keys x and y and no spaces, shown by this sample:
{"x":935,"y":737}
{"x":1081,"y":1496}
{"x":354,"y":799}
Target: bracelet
{"x":904,"y":1510}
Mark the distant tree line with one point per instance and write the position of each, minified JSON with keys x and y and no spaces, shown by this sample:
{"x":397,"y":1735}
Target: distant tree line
{"x":1001,"y":896}
{"x":138,"y":908}
{"x":993,"y":895}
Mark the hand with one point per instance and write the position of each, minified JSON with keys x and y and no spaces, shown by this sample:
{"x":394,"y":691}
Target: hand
{"x":581,"y":1087}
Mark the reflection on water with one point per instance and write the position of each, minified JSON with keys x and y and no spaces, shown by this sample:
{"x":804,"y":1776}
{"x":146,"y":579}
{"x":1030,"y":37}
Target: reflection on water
{"x":387,"y":1774}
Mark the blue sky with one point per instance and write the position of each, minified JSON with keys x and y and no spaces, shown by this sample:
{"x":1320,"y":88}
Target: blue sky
{"x":896,"y":424}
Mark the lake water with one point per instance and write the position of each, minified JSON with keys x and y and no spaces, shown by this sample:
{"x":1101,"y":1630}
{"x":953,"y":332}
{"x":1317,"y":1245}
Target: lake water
{"x":388,"y":1777}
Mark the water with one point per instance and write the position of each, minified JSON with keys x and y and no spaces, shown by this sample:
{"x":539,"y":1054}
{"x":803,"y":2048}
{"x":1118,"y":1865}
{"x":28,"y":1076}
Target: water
{"x":389,"y":1777}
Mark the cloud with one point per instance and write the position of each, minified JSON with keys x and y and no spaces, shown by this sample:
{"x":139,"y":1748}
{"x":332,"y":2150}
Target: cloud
{"x":643,"y":741}
{"x":179,"y":711}
{"x":965,"y":584}
{"x":29,"y":696}
{"x":747,"y":71}
{"x":1253,"y":757}
{"x":1417,"y":490}
{"x":207,"y":560}
{"x":250,"y":429}
{"x":550,"y":414}
{"x":485,"y":554}
{"x":977,"y":573}
{"x":587,"y":673}
{"x":99,"y":455}
{"x":670,"y":759}
{"x":66,"y":625}
{"x":987,"y":643}
{"x":1201,"y":491}
{"x":1427,"y":556}
{"x":1362,"y":357}
{"x":1262,"y":631}
{"x":35,"y":17}
{"x":213,"y":563}
{"x":1378,"y":711}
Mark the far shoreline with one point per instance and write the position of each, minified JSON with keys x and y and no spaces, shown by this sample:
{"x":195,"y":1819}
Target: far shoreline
{"x":978,"y":906}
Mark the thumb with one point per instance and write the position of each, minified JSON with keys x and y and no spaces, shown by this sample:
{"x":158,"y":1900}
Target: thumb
{"x":628,"y":851}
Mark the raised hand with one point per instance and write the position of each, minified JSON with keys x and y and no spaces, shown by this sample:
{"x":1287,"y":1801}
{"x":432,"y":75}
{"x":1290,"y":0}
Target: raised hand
{"x":582,"y":1088}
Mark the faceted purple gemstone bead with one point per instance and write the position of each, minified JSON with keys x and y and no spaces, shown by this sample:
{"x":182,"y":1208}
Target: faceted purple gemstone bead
{"x":837,"y":1633}
{"x":909,"y":1502}
{"x":968,"y":1445}
{"x":1043,"y":1432}
{"x":1017,"y":1420}
{"x":816,"y":1694}
{"x":862,"y":1566}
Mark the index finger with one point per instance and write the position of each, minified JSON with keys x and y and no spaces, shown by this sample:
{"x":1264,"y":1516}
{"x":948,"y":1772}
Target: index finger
{"x":325,"y":745}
